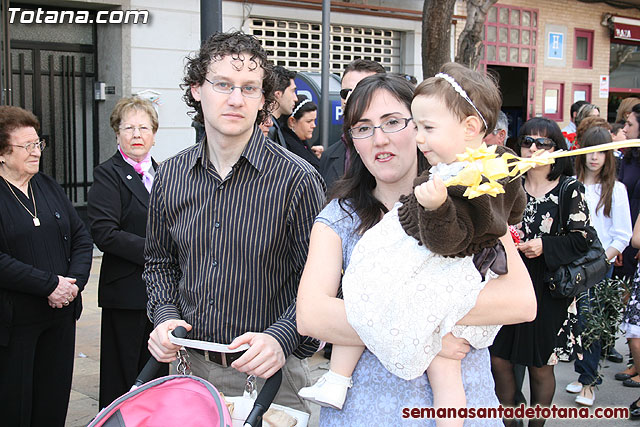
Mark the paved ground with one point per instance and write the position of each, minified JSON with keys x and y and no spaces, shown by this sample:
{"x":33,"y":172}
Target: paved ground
{"x":84,"y":395}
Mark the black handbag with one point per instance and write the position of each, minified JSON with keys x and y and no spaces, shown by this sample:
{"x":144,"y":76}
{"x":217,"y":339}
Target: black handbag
{"x":576,"y":277}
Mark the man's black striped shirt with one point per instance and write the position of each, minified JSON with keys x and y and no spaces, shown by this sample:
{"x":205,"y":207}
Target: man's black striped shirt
{"x":226,"y":255}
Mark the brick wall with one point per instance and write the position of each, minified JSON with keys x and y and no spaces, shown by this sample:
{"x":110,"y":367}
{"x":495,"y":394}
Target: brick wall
{"x":571,"y":14}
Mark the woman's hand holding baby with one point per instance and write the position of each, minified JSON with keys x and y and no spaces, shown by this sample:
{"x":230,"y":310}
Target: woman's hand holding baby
{"x":431,"y":194}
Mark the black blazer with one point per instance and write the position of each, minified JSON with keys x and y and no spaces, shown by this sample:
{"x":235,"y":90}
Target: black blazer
{"x":332,"y":163}
{"x":25,"y":280}
{"x":117,"y":207}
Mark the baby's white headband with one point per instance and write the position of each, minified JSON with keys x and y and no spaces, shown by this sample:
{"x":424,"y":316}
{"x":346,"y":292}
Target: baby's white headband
{"x":293,"y":113}
{"x":462,"y":93}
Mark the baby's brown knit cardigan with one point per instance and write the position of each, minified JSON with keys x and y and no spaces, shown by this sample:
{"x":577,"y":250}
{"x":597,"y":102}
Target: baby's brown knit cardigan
{"x":462,"y":226}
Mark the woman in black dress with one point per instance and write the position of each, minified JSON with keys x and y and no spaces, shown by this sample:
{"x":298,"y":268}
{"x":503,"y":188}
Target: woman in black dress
{"x":45,"y":258}
{"x":299,"y":129}
{"x":537,"y":344}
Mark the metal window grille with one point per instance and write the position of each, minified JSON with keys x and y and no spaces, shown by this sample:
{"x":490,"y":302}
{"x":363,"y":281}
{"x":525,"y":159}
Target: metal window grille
{"x":298,"y":45}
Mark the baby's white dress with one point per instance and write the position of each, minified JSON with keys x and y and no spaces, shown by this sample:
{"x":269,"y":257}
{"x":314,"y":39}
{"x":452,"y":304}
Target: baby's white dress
{"x":401,"y":298}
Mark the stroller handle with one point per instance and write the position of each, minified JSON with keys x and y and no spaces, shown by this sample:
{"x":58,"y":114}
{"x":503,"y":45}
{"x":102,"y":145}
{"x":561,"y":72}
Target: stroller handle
{"x":264,"y":399}
{"x":153,"y":366}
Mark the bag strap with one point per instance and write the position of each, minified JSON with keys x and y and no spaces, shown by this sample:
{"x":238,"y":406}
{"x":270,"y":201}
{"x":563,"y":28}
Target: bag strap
{"x":563,"y":189}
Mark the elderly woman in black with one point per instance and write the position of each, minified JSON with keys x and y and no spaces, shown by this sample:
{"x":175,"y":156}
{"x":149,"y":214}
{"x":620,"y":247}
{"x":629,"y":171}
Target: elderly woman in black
{"x":117,"y":208}
{"x":45,"y":258}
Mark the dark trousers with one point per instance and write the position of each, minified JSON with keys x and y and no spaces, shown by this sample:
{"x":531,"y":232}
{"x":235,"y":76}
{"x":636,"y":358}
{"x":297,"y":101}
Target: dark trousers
{"x":36,"y":369}
{"x":587,"y":368}
{"x":123,"y":351}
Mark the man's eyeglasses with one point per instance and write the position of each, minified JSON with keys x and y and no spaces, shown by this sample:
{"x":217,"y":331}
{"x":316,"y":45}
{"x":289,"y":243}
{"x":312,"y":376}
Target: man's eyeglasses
{"x":344,"y":93}
{"x":542,"y":142}
{"x":248,"y":91}
{"x":390,"y":126}
{"x":30,"y":146}
{"x":129,"y":130}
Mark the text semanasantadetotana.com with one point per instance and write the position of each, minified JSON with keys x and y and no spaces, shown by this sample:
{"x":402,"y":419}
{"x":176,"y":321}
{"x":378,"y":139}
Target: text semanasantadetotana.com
{"x":41,"y":16}
{"x":539,"y":412}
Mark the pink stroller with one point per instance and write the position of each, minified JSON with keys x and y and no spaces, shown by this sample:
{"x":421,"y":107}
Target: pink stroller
{"x":179,"y":400}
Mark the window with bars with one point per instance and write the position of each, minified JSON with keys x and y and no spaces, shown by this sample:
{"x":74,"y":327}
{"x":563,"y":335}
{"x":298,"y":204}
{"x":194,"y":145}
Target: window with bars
{"x":298,"y":45}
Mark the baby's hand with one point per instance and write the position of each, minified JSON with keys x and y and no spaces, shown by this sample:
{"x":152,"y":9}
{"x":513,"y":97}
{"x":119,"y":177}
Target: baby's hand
{"x":431,"y":194}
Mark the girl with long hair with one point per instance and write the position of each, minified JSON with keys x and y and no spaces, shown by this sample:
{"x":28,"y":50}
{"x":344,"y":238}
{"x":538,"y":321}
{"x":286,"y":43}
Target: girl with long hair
{"x":609,"y":210}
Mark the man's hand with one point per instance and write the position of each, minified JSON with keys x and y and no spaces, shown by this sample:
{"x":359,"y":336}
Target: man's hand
{"x":264,"y":357}
{"x":454,"y":348}
{"x":64,"y":293}
{"x":159,"y":345}
{"x":431,"y":194}
{"x":531,"y":248}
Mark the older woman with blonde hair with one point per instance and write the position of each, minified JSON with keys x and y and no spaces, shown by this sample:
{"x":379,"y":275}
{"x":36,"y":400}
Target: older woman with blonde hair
{"x":117,"y":208}
{"x":45,"y":258}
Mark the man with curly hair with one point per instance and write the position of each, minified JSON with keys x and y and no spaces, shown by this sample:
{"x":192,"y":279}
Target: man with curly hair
{"x":228,"y":229}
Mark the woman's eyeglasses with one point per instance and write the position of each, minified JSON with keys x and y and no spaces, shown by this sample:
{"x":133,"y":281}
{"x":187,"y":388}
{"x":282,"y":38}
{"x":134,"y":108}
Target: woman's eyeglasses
{"x":30,"y":146}
{"x":390,"y":126}
{"x":129,"y":130}
{"x":541,"y":142}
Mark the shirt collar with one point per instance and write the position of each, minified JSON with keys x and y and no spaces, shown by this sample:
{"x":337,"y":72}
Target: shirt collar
{"x":254,"y":151}
{"x":198,"y":154}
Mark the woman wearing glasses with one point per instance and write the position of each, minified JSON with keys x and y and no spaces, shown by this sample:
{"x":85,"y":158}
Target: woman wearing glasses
{"x":383,"y":166}
{"x":45,"y":258}
{"x":117,"y":208}
{"x":538,"y":344}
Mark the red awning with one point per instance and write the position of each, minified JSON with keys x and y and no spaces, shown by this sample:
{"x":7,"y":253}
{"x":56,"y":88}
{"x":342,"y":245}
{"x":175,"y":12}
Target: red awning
{"x":626,"y":28}
{"x":626,"y":32}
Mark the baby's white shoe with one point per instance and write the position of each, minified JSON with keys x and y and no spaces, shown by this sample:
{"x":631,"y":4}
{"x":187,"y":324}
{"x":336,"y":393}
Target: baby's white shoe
{"x":330,"y":390}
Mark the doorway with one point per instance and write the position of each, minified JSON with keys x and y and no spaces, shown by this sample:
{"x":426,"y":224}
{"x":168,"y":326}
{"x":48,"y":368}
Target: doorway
{"x":513,"y":83}
{"x":50,"y":70}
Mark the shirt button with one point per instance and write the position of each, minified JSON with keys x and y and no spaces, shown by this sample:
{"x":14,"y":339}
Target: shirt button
{"x":211,"y":301}
{"x":214,"y":263}
{"x":221,"y":187}
{"x":217,"y":224}
{"x":66,"y":237}
{"x":57,"y":215}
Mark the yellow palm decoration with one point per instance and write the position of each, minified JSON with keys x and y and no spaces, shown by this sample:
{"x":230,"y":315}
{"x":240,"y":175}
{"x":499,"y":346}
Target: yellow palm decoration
{"x":485,"y":163}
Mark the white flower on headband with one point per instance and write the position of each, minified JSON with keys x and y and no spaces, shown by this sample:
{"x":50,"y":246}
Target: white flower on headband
{"x":293,"y":113}
{"x":462,"y":93}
